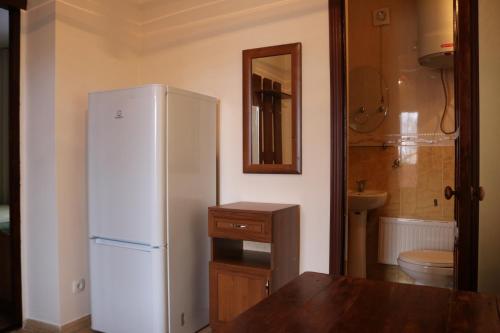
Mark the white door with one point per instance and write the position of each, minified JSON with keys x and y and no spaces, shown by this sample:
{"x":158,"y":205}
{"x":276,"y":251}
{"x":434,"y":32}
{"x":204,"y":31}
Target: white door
{"x":126,"y":165}
{"x":128,"y":292}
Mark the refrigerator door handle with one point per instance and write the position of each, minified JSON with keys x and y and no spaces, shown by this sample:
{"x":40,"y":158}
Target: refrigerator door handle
{"x":126,"y":245}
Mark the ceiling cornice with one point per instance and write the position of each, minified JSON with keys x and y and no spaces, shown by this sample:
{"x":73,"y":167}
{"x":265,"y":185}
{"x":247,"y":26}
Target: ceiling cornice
{"x":148,"y":25}
{"x":219,"y":16}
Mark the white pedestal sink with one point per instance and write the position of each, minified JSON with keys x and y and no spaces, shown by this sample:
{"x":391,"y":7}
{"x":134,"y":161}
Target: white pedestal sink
{"x":358,"y":204}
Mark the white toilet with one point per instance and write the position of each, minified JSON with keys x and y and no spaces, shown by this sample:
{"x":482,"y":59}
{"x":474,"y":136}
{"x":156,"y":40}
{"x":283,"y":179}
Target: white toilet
{"x":428,"y":267}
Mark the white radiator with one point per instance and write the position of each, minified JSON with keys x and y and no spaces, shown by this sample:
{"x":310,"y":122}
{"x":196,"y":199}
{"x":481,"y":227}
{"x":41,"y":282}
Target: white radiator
{"x":396,"y":235}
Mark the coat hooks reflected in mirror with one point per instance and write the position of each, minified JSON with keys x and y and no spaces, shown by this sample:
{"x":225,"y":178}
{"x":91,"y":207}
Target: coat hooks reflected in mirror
{"x":272,"y":109}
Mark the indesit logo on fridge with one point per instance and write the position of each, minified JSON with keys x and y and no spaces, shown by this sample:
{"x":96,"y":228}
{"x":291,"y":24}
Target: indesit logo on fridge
{"x":119,"y":114}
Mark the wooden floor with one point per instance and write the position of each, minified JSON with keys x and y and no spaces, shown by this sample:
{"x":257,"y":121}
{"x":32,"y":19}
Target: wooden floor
{"x":88,"y":330}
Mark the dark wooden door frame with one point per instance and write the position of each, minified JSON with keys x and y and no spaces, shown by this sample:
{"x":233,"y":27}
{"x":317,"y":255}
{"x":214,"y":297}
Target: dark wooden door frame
{"x":14,"y":7}
{"x":467,"y":165}
{"x":13,"y":4}
{"x":338,"y":174}
{"x":467,"y":106}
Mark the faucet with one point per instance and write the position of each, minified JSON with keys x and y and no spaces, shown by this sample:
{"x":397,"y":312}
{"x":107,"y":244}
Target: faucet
{"x":361,"y":184}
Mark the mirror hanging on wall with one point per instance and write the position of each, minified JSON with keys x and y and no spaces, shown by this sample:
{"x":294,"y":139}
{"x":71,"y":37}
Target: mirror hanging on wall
{"x":272,"y":109}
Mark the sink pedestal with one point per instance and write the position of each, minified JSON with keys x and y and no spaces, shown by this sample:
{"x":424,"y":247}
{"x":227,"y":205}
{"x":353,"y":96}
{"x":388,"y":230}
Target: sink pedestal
{"x":359,"y":203}
{"x":356,"y":259}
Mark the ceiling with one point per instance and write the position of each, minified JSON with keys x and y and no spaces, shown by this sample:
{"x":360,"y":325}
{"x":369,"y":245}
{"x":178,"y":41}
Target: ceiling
{"x":4,"y":28}
{"x":154,"y":24}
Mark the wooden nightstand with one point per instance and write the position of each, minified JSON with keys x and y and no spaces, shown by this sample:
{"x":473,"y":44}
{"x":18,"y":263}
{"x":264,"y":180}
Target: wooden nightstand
{"x":240,"y":278}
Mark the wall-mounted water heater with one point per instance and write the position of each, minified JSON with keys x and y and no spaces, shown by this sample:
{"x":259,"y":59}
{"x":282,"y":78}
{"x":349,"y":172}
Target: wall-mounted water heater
{"x":435,"y":33}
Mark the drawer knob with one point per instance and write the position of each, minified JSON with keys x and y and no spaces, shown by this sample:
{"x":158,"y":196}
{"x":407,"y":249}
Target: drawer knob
{"x":240,"y":226}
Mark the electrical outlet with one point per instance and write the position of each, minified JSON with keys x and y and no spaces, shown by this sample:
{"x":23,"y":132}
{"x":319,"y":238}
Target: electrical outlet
{"x":381,"y":17}
{"x":78,"y":286}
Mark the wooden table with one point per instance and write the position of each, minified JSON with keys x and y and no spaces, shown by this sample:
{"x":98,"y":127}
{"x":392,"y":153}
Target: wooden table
{"x":315,"y":302}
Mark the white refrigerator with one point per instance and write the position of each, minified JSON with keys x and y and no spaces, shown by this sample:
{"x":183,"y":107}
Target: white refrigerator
{"x":151,"y":177}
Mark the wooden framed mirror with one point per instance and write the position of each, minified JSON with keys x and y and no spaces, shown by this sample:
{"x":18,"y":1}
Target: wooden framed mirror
{"x":272,"y":141}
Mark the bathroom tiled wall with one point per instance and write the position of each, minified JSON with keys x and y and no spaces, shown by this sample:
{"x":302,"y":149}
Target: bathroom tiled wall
{"x":415,"y":93}
{"x":412,"y":187}
{"x":415,"y":107}
{"x":415,"y":188}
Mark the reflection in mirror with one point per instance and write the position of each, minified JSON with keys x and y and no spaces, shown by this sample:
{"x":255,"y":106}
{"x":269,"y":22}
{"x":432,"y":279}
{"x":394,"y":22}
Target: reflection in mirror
{"x":272,"y":110}
{"x":4,"y":119}
{"x":6,"y":297}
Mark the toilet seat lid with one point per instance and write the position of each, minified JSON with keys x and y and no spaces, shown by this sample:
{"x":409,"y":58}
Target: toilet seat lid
{"x":428,"y":258}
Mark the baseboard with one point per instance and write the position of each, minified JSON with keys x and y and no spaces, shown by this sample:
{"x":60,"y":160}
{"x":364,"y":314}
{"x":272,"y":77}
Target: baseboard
{"x":35,"y":326}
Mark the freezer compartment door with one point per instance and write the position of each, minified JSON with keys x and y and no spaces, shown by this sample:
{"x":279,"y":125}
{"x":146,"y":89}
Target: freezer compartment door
{"x":128,"y":287}
{"x":126,"y":157}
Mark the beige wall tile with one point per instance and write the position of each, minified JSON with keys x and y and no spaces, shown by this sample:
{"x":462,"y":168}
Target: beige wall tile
{"x":393,"y":50}
{"x":408,"y":202}
{"x":411,"y":188}
{"x":425,"y":170}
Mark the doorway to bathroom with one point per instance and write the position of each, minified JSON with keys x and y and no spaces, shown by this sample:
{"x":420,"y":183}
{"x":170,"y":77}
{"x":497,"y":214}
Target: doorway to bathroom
{"x":10,"y":224}
{"x":404,"y":132}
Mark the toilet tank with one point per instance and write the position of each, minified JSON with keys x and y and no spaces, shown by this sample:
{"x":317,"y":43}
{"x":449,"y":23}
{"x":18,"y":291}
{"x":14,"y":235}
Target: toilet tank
{"x":435,"y":33}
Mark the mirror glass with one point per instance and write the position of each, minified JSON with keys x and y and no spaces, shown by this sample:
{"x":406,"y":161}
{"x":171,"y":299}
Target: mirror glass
{"x":6,"y":240}
{"x":271,"y":123}
{"x":4,"y":125}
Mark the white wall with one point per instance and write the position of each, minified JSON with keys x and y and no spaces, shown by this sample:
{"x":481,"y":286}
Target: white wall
{"x":68,"y":51}
{"x":212,"y":65}
{"x":40,"y":254}
{"x":88,"y":58}
{"x":489,"y":76}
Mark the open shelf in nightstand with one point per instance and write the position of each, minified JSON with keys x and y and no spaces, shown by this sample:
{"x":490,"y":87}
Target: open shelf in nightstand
{"x":230,"y":251}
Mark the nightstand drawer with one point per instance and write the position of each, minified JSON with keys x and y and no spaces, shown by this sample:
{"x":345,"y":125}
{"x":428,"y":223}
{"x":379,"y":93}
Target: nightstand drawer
{"x":247,"y":226}
{"x":254,"y":227}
